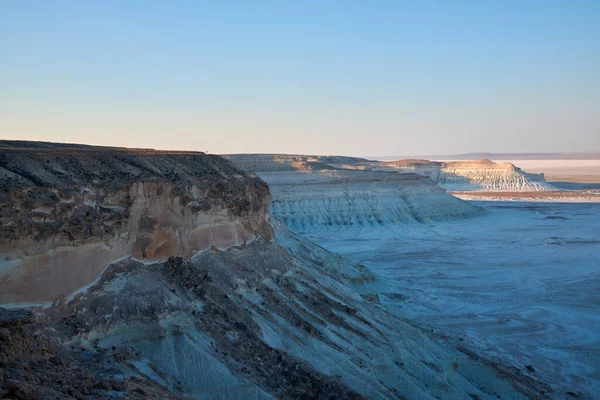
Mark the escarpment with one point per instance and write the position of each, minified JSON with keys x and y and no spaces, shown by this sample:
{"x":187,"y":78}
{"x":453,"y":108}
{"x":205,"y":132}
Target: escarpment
{"x":473,"y":175}
{"x":453,"y":176}
{"x":67,"y":212}
{"x":320,"y":193}
{"x":263,"y":313}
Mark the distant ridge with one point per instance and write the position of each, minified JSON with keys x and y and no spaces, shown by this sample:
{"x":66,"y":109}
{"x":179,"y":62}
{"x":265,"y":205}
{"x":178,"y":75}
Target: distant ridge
{"x":594,"y":155}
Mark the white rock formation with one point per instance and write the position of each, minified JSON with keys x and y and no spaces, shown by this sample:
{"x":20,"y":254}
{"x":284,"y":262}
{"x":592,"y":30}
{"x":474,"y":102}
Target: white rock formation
{"x":453,"y":176}
{"x":310,"y":194}
{"x":472,"y":175}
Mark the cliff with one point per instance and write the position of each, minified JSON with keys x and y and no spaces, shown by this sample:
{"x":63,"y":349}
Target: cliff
{"x":68,"y":211}
{"x":473,"y":175}
{"x":453,"y":176}
{"x":319,"y":193}
{"x":168,"y":281}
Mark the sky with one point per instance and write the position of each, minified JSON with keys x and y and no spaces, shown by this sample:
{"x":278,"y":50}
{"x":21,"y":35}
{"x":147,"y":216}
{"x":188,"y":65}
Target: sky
{"x":362,"y":78}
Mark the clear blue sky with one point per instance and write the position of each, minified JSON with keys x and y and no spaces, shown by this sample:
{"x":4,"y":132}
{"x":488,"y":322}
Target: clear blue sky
{"x":362,"y":78}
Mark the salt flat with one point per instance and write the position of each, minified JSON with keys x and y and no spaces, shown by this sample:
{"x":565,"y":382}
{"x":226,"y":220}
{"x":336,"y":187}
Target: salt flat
{"x":521,"y":284}
{"x":580,"y":171}
{"x":566,"y":194}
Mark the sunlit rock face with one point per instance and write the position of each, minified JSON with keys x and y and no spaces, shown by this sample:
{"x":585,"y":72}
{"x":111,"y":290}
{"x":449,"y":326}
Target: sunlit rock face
{"x":472,"y":175}
{"x":68,"y":212}
{"x":321,"y":193}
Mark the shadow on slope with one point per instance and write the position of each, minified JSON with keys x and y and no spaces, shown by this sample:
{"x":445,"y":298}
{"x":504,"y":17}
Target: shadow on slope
{"x":260,"y":321}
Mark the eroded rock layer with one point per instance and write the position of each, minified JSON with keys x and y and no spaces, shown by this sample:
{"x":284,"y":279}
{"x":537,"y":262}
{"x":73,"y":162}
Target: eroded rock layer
{"x":67,"y":212}
{"x":316,"y":193}
{"x":453,"y":176}
{"x":473,"y":175}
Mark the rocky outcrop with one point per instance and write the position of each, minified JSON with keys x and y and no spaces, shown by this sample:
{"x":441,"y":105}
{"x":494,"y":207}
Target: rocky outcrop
{"x":68,"y":212}
{"x":472,"y":175}
{"x":35,"y":365}
{"x":320,"y":193}
{"x":453,"y":176}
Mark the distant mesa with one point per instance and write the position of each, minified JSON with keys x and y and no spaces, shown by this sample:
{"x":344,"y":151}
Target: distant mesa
{"x":476,"y":175}
{"x":593,"y":155}
{"x":330,"y":192}
{"x":469,"y":175}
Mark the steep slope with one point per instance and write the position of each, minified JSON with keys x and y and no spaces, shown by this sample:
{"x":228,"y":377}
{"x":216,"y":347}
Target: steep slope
{"x":230,"y":309}
{"x":319,"y":193}
{"x":266,"y":320}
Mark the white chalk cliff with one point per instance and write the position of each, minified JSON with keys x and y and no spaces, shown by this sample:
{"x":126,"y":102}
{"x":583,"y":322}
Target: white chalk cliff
{"x":308,"y":193}
{"x":472,"y":175}
{"x":452,"y":176}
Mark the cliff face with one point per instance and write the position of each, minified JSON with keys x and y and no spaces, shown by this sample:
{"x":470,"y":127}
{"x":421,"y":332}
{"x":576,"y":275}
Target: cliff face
{"x":319,"y":193}
{"x":67,"y":212}
{"x":473,"y":175}
{"x":454,"y":176}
